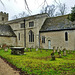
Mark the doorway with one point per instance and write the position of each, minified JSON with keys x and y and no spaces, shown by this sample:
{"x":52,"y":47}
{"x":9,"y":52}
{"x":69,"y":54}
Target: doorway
{"x":49,"y":44}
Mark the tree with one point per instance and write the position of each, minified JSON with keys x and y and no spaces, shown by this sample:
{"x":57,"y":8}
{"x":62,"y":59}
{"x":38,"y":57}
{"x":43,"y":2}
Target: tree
{"x":50,"y":9}
{"x":62,"y":8}
{"x":20,"y":15}
{"x":73,"y":14}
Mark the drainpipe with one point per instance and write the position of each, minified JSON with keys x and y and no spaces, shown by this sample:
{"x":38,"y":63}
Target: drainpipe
{"x":24,"y":35}
{"x":39,"y":39}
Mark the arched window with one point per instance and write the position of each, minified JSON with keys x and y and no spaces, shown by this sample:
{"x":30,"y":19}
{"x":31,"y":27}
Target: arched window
{"x":31,"y":36}
{"x":66,"y":36}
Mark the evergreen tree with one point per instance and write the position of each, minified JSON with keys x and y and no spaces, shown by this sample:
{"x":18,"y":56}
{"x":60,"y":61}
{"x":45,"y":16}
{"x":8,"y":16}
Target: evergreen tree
{"x":73,"y":14}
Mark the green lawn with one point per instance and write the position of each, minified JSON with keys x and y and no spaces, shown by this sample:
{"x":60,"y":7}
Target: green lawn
{"x":40,"y":63}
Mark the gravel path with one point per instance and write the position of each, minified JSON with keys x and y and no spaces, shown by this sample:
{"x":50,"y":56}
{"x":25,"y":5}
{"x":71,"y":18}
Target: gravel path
{"x":5,"y":69}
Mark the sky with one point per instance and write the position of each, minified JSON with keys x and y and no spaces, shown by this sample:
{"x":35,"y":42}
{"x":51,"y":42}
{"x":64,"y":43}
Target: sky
{"x":14,"y":7}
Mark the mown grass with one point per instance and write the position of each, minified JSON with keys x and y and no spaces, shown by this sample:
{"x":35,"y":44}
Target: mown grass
{"x":40,"y":63}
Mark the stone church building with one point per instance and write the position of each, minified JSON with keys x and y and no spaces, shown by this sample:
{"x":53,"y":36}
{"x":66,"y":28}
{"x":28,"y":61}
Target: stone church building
{"x":38,"y":31}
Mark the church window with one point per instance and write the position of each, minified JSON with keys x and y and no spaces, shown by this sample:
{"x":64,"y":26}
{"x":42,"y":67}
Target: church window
{"x":66,"y":36}
{"x":31,"y":36}
{"x":19,"y":36}
{"x":31,"y":24}
{"x":43,"y":39}
{"x":22,"y":25}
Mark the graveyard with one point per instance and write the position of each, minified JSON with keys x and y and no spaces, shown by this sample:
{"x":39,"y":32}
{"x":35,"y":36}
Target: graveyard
{"x":42,"y":61}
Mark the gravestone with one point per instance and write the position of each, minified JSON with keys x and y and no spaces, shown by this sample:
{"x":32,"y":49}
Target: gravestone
{"x":6,"y":49}
{"x":36,"y":49}
{"x":58,"y":49}
{"x":59,"y":53}
{"x":61,"y":48}
{"x":52,"y":56}
{"x":54,"y":49}
{"x":64,"y":52}
{"x":46,"y":50}
{"x":30,"y":50}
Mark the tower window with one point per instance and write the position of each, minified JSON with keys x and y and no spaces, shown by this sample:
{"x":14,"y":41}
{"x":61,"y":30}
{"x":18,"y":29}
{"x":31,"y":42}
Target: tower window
{"x":2,"y":18}
{"x":66,"y":36}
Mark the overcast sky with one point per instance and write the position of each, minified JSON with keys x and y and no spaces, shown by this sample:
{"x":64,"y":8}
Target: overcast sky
{"x":14,"y":7}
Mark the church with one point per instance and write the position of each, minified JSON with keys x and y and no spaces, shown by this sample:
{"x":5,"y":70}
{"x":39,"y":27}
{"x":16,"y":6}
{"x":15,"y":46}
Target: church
{"x":38,"y":31}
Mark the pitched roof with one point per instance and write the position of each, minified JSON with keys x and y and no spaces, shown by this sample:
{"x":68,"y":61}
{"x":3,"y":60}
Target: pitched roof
{"x":6,"y":30}
{"x":57,"y":23}
{"x":28,"y":18}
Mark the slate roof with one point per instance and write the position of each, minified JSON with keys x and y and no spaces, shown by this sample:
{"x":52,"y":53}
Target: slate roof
{"x":57,"y":23}
{"x":6,"y":30}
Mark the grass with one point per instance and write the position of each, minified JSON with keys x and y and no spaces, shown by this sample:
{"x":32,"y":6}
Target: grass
{"x":40,"y":63}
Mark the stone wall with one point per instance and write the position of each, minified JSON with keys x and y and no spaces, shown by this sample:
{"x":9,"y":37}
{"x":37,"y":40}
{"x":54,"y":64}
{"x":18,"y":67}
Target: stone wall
{"x":10,"y":41}
{"x":57,"y":39}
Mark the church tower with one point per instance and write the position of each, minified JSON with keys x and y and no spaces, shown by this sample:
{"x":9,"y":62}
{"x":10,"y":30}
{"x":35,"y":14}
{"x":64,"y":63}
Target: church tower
{"x":3,"y":17}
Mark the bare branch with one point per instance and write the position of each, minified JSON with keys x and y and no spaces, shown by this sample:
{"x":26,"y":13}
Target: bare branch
{"x":27,"y":7}
{"x":2,"y":3}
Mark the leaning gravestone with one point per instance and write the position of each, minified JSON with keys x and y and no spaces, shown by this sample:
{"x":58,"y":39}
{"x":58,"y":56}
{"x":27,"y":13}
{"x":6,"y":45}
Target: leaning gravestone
{"x":64,"y":52}
{"x":54,"y":49}
{"x":52,"y":56}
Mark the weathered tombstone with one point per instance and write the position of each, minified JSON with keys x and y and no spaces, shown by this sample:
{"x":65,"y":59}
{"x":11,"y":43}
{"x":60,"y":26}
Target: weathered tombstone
{"x":1,"y":46}
{"x":68,"y":51}
{"x":64,"y":52}
{"x":46,"y":50}
{"x":58,"y":49}
{"x":36,"y":49}
{"x":41,"y":50}
{"x":52,"y":56}
{"x":61,"y":48}
{"x":54,"y":49}
{"x":59,"y":53}
{"x":30,"y":50}
{"x":26,"y":50}
{"x":6,"y":49}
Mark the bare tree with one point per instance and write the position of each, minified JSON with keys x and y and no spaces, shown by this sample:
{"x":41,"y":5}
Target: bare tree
{"x":20,"y":15}
{"x":50,"y":9}
{"x":62,"y":8}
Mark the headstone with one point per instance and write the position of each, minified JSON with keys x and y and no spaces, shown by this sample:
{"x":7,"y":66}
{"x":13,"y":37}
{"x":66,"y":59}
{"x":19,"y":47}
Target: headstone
{"x":36,"y":49}
{"x":41,"y":50}
{"x":61,"y":48}
{"x":64,"y":52}
{"x":52,"y":56}
{"x":54,"y":49}
{"x":6,"y":49}
{"x":59,"y":53}
{"x":68,"y":51}
{"x":46,"y":50}
{"x":58,"y":49}
{"x":30,"y":50}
